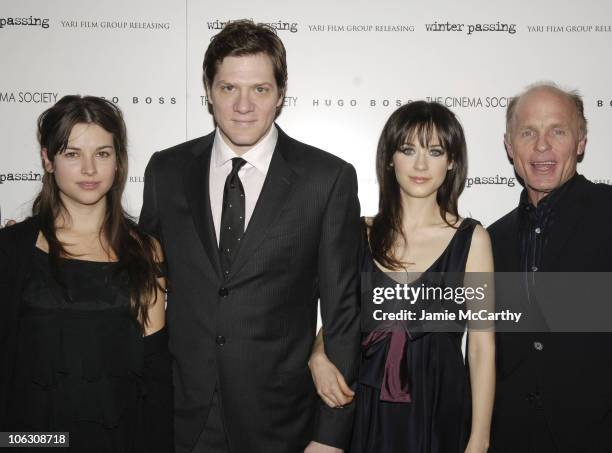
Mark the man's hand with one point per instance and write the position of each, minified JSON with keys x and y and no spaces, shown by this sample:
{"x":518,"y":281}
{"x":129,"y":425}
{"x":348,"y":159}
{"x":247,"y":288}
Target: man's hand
{"x":316,"y":447}
{"x":9,"y":222}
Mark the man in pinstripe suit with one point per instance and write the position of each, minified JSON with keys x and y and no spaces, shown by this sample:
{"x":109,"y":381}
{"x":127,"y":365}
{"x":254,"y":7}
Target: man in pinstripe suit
{"x":256,"y":227}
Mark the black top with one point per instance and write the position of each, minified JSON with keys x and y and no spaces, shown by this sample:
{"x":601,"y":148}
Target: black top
{"x":80,"y":356}
{"x":72,"y":355}
{"x":535,"y":222}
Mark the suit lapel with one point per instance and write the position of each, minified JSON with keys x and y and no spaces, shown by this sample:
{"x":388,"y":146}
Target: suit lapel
{"x":507,"y":245}
{"x":513,"y":252}
{"x":274,"y":193}
{"x":196,"y":177}
{"x":568,"y":213}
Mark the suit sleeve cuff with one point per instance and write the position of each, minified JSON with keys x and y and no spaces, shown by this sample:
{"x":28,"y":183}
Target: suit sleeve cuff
{"x":334,"y":427}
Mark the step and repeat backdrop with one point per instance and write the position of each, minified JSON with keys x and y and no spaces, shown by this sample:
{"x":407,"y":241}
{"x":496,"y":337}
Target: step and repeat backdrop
{"x":351,"y":63}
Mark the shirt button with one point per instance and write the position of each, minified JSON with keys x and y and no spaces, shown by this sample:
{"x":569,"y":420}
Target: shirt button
{"x":538,"y":345}
{"x":534,"y":268}
{"x":223,"y":292}
{"x":220,"y":340}
{"x":537,"y":230}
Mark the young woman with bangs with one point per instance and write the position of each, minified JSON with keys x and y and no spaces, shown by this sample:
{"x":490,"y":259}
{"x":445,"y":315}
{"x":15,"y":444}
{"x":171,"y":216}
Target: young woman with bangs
{"x":415,"y":392}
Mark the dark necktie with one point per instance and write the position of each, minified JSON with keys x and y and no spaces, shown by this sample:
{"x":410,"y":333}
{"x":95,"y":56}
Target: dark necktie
{"x":232,"y":217}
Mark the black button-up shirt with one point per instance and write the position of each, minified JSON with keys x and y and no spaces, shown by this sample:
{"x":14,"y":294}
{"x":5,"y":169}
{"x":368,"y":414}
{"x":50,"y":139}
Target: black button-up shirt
{"x":536,"y":224}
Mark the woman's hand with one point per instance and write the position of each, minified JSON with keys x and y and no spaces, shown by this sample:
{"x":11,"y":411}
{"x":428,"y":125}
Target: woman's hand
{"x":329,"y":382}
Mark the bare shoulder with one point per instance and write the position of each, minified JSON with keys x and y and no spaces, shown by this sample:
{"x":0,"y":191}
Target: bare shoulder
{"x":480,"y":257}
{"x":480,"y":237}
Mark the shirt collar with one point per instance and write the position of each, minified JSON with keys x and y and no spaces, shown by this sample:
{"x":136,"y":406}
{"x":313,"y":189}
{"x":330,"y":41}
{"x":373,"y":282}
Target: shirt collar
{"x":259,"y":156}
{"x":549,"y":202}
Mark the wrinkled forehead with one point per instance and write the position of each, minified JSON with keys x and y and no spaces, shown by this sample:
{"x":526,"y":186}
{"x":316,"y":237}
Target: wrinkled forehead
{"x":544,"y":104}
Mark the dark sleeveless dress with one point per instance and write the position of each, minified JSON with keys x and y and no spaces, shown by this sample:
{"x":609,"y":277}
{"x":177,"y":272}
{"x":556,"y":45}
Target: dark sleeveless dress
{"x":413,"y":393}
{"x":79,"y":362}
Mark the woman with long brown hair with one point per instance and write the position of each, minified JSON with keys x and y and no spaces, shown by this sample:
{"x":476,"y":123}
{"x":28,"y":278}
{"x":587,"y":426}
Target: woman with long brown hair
{"x":413,"y":394}
{"x":84,"y":347}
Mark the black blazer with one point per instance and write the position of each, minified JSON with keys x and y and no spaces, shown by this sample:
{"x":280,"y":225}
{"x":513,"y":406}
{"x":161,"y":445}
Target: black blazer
{"x":251,"y":334}
{"x":567,"y":375}
{"x":17,"y":245}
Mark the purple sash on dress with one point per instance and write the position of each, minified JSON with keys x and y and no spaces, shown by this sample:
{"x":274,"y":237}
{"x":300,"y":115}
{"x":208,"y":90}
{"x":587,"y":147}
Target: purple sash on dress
{"x":394,"y":387}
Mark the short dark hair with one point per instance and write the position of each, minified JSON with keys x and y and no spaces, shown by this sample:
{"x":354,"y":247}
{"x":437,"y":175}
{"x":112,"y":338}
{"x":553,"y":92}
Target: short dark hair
{"x":245,"y":37}
{"x":420,"y":120}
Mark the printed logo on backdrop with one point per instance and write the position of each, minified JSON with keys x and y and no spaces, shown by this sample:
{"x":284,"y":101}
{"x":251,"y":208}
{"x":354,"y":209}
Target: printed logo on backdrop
{"x":28,"y":97}
{"x":453,"y":102}
{"x":139,"y":99}
{"x":278,"y":25}
{"x":604,"y":103}
{"x":20,"y":176}
{"x":361,"y":28}
{"x":470,"y":29}
{"x":47,"y":97}
{"x":490,"y":180}
{"x":607,"y":181}
{"x":12,"y":22}
{"x":569,"y":28}
{"x":92,"y":23}
{"x":136,"y":179}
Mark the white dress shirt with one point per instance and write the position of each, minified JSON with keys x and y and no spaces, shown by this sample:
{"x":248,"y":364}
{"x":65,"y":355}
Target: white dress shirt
{"x":252,"y":174}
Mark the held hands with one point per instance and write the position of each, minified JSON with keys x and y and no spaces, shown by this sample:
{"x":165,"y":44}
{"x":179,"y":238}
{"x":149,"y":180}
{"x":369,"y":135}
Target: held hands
{"x":316,"y":447}
{"x":330,"y":384}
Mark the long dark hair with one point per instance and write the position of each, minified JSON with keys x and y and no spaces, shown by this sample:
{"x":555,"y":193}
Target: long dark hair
{"x":422,"y":120}
{"x":135,"y":250}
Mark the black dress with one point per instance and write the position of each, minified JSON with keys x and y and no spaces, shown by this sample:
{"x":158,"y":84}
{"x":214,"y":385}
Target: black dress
{"x":413,"y":393}
{"x":80,"y":357}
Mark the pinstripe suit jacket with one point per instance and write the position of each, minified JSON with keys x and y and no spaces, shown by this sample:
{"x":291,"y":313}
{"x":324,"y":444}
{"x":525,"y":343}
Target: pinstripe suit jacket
{"x":251,"y":333}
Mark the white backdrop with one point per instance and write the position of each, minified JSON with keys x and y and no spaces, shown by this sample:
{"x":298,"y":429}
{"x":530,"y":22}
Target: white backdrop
{"x":351,"y":63}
